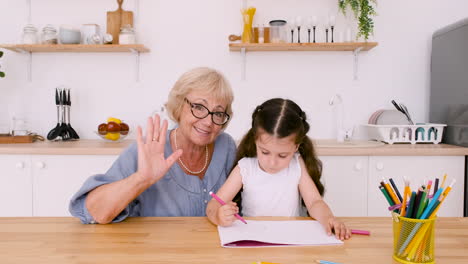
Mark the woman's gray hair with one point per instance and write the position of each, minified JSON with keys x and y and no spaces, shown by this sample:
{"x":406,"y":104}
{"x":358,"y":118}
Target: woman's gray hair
{"x":202,"y":79}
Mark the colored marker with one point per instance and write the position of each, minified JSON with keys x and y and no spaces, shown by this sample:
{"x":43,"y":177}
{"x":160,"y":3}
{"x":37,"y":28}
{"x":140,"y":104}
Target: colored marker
{"x":326,"y":262}
{"x":223,"y":203}
{"x":360,"y":232}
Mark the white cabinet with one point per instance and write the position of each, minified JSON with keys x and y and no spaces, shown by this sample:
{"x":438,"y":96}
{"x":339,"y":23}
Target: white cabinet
{"x":42,"y":185}
{"x":15,"y":185}
{"x":345,"y":181}
{"x":57,"y":178}
{"x":417,"y":169}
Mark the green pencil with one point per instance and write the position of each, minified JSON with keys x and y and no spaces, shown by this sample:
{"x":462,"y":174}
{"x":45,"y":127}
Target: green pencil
{"x":422,"y":205}
{"x":409,"y":213}
{"x":387,"y":196}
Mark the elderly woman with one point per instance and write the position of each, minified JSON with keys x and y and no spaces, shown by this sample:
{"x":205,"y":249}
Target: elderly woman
{"x":168,"y":173}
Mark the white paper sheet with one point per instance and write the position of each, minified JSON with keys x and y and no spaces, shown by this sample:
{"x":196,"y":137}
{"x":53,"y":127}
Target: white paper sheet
{"x":275,"y":233}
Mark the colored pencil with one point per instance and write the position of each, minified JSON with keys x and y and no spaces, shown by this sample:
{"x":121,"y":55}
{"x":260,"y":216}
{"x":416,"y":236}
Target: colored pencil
{"x":405,"y":197}
{"x":223,"y":203}
{"x":442,"y":185}
{"x":389,"y":200}
{"x":436,"y":185}
{"x":390,"y":191}
{"x":360,"y":232}
{"x":409,"y":213}
{"x":396,"y":189}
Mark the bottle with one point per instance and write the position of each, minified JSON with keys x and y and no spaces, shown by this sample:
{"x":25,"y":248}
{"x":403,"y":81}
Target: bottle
{"x":261,"y":30}
{"x":49,"y":35}
{"x":29,"y":34}
{"x":127,"y":35}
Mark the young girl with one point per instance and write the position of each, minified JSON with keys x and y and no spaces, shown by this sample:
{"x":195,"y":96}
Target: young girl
{"x":276,"y":167}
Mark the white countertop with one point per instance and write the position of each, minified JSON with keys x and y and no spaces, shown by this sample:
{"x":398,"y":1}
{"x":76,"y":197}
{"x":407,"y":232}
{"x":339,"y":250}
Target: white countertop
{"x":100,"y":147}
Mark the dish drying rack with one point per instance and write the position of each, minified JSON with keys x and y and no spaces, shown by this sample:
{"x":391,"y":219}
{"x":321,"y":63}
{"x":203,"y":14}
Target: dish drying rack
{"x":419,"y":133}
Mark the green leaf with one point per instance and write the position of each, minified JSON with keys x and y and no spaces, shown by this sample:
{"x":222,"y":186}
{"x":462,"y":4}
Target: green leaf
{"x":1,"y":53}
{"x":2,"y":74}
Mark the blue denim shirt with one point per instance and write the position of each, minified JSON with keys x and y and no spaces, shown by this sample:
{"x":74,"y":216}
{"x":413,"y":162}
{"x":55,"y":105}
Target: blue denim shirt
{"x":176,"y":194}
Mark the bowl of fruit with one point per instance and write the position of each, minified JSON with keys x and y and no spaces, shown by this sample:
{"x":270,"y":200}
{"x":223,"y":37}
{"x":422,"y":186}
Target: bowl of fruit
{"x":114,"y":130}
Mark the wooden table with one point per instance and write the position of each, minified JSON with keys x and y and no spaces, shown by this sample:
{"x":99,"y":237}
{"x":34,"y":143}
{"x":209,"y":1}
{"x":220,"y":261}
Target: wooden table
{"x":195,"y":240}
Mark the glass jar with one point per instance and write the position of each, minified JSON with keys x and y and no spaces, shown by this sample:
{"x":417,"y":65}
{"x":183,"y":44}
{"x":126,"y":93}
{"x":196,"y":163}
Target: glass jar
{"x":29,"y":34}
{"x":277,"y":31}
{"x":49,"y":35}
{"x":127,"y":35}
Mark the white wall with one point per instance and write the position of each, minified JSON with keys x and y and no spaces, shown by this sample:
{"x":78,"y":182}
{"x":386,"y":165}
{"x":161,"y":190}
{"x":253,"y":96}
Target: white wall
{"x":183,"y":34}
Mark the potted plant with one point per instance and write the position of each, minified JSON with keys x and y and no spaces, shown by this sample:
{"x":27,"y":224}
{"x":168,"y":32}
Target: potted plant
{"x":2,"y":74}
{"x":363,"y":12}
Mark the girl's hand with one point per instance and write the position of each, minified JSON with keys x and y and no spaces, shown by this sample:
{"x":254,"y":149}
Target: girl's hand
{"x":341,"y":231}
{"x":152,"y":165}
{"x":226,"y":214}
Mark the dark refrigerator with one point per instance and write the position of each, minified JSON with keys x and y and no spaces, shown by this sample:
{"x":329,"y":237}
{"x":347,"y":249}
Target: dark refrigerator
{"x":449,"y":87}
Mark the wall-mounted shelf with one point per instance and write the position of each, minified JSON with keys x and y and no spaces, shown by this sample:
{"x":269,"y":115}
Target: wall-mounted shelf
{"x":355,"y":47}
{"x":74,"y":48}
{"x":54,"y":48}
{"x":351,"y":46}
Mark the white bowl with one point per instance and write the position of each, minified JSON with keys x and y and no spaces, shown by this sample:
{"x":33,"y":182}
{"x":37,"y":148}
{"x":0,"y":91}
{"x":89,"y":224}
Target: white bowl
{"x":69,"y":36}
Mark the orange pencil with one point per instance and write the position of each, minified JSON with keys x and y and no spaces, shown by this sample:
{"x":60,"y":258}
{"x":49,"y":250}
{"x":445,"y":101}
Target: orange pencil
{"x":391,"y":192}
{"x":405,"y":197}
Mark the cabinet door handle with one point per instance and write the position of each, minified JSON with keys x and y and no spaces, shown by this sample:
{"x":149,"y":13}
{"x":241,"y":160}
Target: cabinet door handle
{"x":20,"y":165}
{"x":358,"y":166}
{"x":379,"y":166}
{"x":40,"y":164}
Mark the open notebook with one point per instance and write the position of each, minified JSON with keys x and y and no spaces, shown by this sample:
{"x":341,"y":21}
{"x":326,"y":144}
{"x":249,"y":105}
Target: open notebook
{"x":275,"y":234}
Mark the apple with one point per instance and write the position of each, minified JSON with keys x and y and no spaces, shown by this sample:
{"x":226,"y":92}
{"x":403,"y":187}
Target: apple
{"x":102,"y":129}
{"x":124,"y":128}
{"x":113,"y":127}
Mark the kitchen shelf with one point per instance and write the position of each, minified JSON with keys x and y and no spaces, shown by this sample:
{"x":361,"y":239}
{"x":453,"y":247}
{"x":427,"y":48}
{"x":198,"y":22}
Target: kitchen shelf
{"x":78,"y":48}
{"x":75,"y":48}
{"x":354,"y":47}
{"x":351,"y":46}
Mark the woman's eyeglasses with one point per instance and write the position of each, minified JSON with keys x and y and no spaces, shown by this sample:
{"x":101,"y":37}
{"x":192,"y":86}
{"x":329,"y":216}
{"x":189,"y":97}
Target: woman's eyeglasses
{"x":200,"y":111}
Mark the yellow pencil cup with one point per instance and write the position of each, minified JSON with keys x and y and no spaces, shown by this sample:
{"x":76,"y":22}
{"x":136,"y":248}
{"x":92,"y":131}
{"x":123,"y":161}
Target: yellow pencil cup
{"x":413,"y":240}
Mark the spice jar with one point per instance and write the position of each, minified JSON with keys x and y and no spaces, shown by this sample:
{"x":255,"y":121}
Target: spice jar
{"x":49,"y":35}
{"x":29,"y":34}
{"x":127,"y":35}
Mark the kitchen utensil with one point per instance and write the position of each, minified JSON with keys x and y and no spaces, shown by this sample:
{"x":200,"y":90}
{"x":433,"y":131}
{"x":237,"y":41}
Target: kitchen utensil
{"x":234,"y":37}
{"x":402,"y":108}
{"x":72,"y":131}
{"x":117,"y":19}
{"x":405,"y":110}
{"x":54,"y":132}
{"x":63,"y":129}
{"x":397,"y":106}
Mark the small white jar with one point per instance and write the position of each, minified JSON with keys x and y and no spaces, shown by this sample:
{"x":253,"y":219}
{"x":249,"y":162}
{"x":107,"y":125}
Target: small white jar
{"x":49,"y":35}
{"x":29,"y":34}
{"x":127,"y":35}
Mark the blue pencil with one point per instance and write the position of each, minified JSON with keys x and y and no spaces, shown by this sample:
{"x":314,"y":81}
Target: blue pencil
{"x":326,"y":262}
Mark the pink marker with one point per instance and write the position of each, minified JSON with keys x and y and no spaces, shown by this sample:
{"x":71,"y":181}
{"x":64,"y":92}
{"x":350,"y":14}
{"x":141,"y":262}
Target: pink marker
{"x":223,"y":203}
{"x":360,"y":232}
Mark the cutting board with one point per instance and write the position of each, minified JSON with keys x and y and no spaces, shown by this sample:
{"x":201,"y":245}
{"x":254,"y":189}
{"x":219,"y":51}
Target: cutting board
{"x":117,"y":19}
{"x":7,"y":139}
